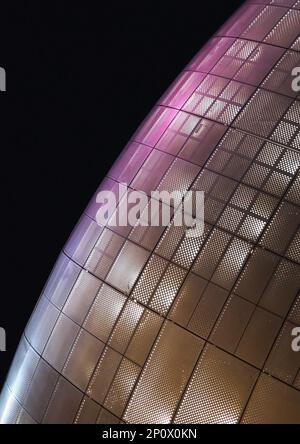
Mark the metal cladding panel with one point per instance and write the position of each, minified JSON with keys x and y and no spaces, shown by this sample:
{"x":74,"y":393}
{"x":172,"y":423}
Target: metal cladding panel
{"x":141,"y":324}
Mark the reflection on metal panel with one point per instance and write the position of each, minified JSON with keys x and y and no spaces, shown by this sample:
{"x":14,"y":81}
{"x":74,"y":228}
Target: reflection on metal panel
{"x":144,"y":325}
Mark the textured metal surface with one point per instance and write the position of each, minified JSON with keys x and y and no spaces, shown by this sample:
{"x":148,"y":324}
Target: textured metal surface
{"x":144,"y":325}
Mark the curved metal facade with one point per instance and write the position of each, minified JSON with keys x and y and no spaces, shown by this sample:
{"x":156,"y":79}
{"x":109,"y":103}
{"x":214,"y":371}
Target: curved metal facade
{"x":145,"y":325}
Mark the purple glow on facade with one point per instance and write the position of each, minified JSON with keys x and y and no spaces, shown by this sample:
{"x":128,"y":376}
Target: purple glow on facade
{"x":144,"y":325}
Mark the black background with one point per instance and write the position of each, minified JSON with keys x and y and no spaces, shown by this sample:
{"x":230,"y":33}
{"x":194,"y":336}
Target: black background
{"x":80,"y":79}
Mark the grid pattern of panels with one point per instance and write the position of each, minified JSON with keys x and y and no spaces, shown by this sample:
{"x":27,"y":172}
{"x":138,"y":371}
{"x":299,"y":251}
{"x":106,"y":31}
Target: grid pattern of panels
{"x":219,"y":99}
{"x":145,"y":325}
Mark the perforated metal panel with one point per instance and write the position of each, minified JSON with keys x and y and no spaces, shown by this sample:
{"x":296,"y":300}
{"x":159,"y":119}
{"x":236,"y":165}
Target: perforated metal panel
{"x":146,"y":325}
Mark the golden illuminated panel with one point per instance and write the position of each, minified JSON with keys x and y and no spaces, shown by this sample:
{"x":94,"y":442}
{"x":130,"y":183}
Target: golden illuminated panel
{"x":142,"y":324}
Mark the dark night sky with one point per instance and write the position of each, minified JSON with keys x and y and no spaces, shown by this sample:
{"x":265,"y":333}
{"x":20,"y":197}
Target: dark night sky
{"x":80,"y":79}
